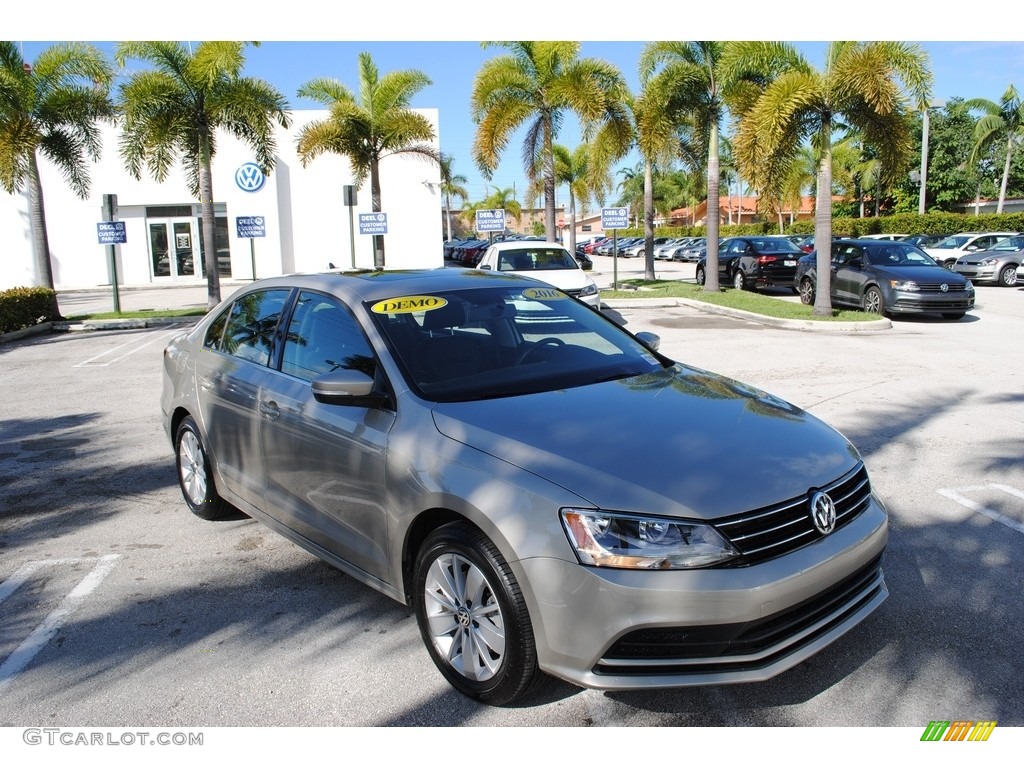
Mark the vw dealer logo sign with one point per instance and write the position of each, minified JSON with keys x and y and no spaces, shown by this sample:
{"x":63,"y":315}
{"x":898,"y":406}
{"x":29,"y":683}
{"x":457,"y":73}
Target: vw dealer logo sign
{"x":249,"y":178}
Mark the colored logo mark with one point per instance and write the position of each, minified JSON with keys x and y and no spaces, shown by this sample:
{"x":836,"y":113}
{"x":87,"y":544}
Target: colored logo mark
{"x":958,"y":730}
{"x":250,"y":177}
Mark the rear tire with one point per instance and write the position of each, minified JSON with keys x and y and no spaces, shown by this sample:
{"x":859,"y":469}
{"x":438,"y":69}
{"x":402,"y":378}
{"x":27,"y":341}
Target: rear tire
{"x":195,"y":477}
{"x":739,"y":280}
{"x":807,"y":291}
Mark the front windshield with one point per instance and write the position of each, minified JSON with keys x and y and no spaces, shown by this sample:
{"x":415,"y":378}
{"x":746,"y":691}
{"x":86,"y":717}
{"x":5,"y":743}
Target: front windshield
{"x":899,"y":255}
{"x":1009,"y":244}
{"x":481,"y":343}
{"x":540,"y":258}
{"x":953,"y":241}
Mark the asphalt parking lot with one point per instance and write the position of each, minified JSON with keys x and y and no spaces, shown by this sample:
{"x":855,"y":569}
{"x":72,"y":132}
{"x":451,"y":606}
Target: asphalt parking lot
{"x":118,"y":607}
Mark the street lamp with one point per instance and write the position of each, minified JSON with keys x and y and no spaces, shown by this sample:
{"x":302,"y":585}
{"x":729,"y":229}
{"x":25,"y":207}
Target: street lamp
{"x":924,"y":152}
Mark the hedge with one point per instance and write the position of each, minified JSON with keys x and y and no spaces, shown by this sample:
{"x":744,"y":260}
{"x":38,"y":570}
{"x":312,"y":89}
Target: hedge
{"x":900,"y":223}
{"x":25,"y":307}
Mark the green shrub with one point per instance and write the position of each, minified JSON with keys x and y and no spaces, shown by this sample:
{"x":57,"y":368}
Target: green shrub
{"x":25,"y":307}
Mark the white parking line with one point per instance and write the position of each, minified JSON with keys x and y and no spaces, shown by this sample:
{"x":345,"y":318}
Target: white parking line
{"x":42,"y":634}
{"x":956,"y":494}
{"x":91,"y":362}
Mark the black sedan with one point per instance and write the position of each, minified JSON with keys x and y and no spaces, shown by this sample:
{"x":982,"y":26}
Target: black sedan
{"x":888,"y":278}
{"x":754,"y":262}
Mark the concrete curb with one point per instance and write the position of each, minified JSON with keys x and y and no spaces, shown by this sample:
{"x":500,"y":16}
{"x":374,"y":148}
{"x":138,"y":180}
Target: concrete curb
{"x":64,"y":326}
{"x":818,"y":326}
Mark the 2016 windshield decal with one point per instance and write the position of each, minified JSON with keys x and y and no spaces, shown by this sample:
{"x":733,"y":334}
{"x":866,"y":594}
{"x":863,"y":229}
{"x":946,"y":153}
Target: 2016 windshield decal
{"x":404,"y":304}
{"x":543,"y":294}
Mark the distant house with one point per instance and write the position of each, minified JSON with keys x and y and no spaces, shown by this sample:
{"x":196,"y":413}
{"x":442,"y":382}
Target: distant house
{"x":978,"y":207}
{"x":739,"y":210}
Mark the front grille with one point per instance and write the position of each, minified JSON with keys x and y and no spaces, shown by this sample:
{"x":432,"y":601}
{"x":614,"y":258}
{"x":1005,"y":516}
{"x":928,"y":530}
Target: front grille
{"x":762,"y":534}
{"x":744,"y":646}
{"x":937,"y":288}
{"x":934,"y":305}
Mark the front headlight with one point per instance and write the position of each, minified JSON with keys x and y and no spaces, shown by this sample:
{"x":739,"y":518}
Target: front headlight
{"x":968,"y":285}
{"x":626,"y":541}
{"x":989,"y":262}
{"x":590,"y":289}
{"x":904,"y":285}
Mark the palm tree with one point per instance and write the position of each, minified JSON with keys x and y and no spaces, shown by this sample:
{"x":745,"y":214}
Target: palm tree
{"x":865,"y":86}
{"x":631,"y":188}
{"x":174,"y":110}
{"x":51,"y":108}
{"x":451,"y":186}
{"x":585,"y":183}
{"x":367,"y":129}
{"x":535,"y":85}
{"x":691,"y":91}
{"x":1005,"y":119}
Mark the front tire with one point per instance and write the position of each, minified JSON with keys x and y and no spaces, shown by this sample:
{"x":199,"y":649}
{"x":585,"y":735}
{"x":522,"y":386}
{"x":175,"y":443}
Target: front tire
{"x":1008,"y":276}
{"x":194,"y":475}
{"x":473,"y":618}
{"x":873,"y":302}
{"x":699,"y":276}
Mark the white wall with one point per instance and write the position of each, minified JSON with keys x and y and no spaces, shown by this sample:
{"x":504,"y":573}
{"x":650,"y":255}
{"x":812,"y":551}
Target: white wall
{"x":307,"y":223}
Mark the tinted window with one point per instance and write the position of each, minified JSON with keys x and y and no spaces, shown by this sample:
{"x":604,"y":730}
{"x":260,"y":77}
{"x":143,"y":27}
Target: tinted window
{"x":528,"y":259}
{"x":251,"y":324}
{"x":323,"y":336}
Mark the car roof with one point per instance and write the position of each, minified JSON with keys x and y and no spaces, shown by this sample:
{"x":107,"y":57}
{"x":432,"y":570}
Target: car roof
{"x":373,"y":285}
{"x":507,"y":245}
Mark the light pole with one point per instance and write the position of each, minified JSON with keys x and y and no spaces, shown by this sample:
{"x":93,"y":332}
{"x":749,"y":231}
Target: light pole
{"x":924,"y":153}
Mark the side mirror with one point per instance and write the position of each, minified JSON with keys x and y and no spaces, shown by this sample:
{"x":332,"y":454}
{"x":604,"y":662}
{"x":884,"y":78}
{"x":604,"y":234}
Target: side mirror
{"x":650,"y":340}
{"x":346,"y":387}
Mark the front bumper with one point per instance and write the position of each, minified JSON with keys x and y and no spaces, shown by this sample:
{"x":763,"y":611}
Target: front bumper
{"x":916,"y":302}
{"x":618,"y":630}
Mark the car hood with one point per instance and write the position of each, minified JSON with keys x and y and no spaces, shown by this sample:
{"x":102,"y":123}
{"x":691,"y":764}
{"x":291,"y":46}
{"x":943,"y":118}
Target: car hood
{"x":682,"y":442}
{"x":922,"y":274}
{"x":563,"y":279}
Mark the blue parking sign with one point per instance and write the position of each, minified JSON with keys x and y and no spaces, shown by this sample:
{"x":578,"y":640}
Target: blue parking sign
{"x":111,"y":232}
{"x":615,"y":218}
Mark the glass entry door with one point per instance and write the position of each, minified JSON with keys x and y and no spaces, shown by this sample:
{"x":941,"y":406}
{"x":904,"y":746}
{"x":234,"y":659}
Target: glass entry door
{"x":174,"y":248}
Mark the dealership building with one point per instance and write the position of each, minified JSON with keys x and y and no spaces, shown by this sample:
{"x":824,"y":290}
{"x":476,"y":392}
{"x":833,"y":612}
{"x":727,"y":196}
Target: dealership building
{"x":294,"y":219}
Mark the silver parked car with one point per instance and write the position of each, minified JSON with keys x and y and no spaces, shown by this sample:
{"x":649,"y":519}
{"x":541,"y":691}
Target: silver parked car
{"x":547,"y":493}
{"x":997,"y":265}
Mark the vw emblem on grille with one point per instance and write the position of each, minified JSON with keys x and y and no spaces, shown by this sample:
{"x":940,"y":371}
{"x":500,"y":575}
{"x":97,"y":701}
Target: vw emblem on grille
{"x":944,"y":287}
{"x":823,"y":512}
{"x":250,"y":178}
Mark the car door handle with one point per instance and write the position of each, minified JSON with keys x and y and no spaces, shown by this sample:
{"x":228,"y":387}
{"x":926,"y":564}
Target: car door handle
{"x":269,"y":409}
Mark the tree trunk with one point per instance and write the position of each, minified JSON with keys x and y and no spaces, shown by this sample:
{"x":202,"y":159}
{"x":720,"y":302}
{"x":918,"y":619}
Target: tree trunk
{"x":712,"y":225}
{"x":549,"y":181}
{"x":648,"y":221}
{"x":823,"y":228}
{"x":40,"y":239}
{"x":572,"y":222}
{"x":1006,"y":174}
{"x":448,"y":215}
{"x":209,"y":228}
{"x":378,"y":240}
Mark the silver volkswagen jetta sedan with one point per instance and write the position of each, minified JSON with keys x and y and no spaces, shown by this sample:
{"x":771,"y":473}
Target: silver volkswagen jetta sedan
{"x":548,"y":493}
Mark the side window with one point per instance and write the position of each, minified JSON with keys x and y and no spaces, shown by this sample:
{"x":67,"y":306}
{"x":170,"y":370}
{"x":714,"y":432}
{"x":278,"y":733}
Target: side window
{"x":251,"y":323}
{"x":323,"y":336}
{"x":215,"y":333}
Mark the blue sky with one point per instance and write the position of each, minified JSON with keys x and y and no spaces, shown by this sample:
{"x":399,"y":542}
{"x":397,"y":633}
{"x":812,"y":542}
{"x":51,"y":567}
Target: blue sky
{"x":445,"y":46}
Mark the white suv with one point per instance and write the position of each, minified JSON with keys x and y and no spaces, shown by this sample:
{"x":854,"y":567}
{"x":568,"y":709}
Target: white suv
{"x":947,"y":251}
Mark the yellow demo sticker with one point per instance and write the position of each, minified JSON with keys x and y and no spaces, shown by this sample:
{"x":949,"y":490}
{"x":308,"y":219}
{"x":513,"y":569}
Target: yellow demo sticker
{"x":403,"y":304}
{"x":543,"y":294}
